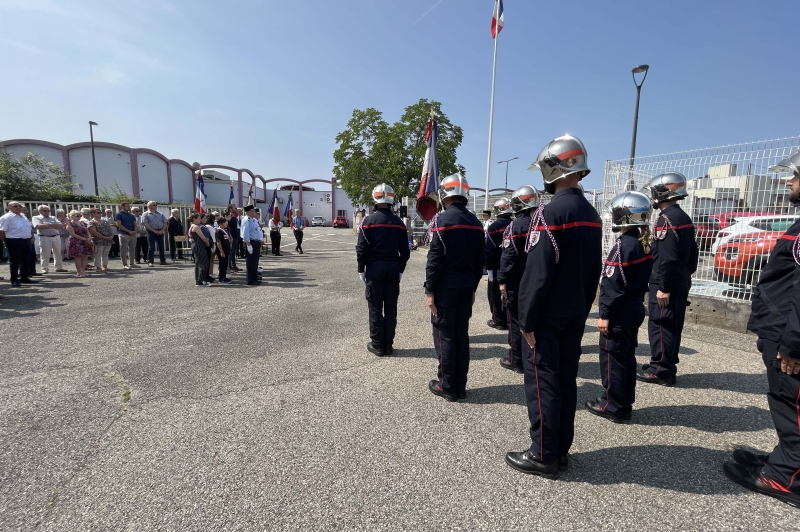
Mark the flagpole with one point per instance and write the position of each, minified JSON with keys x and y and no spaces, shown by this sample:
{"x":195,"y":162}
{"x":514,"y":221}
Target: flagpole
{"x":491,"y":110}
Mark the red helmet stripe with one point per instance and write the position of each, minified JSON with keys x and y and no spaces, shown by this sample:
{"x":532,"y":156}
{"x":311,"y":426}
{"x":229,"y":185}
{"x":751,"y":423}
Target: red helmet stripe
{"x":572,"y":153}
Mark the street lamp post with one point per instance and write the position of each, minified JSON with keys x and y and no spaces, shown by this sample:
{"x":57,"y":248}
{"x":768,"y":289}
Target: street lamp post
{"x":94,"y":163}
{"x":641,"y":69}
{"x":508,"y":161}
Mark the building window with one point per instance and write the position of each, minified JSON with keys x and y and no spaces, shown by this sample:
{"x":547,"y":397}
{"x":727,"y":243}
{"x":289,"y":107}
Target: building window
{"x":341,"y":213}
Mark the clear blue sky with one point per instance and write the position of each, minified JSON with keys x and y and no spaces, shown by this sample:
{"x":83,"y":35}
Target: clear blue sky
{"x":267,"y":84}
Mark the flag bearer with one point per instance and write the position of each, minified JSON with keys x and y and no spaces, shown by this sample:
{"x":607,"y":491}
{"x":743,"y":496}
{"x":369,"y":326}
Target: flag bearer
{"x":775,"y":318}
{"x":524,"y":201}
{"x":382,"y":253}
{"x":675,"y":256}
{"x":622,"y":288}
{"x":493,"y":249}
{"x":556,"y":293}
{"x":452,"y":275}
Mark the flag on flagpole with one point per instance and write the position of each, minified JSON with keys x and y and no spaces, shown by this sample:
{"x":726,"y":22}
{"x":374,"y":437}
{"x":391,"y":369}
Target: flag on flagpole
{"x":274,"y":200}
{"x":427,"y":202}
{"x":250,"y":195}
{"x":288,"y":212}
{"x":230,"y":199}
{"x":498,"y":20}
{"x":200,"y":195}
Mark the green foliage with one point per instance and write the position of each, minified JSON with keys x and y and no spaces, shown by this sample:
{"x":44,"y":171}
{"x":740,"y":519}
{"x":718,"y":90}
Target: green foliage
{"x":116,"y":195}
{"x":372,"y":152}
{"x":30,"y":177}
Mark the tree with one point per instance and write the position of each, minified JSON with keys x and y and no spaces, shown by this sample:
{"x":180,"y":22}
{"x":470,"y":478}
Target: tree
{"x":372,"y":152}
{"x":31,"y":178}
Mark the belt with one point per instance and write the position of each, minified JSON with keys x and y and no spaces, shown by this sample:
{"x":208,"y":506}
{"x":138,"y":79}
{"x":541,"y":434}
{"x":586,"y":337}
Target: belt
{"x":49,"y":236}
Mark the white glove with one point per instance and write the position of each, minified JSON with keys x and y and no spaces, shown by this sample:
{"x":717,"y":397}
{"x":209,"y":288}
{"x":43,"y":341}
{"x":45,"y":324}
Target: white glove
{"x":491,"y":276}
{"x":400,"y":278}
{"x":250,"y":249}
{"x":363,"y":277}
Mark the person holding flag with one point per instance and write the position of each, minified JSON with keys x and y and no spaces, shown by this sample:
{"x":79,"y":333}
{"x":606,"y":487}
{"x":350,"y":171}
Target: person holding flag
{"x":275,"y":226}
{"x":200,"y":194}
{"x":427,"y":200}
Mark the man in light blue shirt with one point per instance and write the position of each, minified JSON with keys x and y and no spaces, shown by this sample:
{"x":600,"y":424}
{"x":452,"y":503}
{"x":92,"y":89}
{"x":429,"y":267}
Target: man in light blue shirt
{"x":299,"y":224}
{"x":252,"y":236}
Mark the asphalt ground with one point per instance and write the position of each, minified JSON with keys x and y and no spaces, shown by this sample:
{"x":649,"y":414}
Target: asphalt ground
{"x":136,"y":401}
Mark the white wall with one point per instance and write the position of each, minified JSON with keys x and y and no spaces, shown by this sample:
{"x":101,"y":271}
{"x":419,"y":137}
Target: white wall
{"x":113,"y":166}
{"x":50,"y":155}
{"x":152,"y":178}
{"x":182,"y":183}
{"x":218,"y":192}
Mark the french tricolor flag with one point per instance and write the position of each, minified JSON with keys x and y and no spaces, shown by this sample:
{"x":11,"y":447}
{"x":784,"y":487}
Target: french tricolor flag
{"x":497,"y":18}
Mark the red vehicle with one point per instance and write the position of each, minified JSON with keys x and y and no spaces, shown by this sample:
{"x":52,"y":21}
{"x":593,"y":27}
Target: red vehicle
{"x":739,"y":261}
{"x":340,"y":221}
{"x":726,"y":218}
{"x":706,"y":229}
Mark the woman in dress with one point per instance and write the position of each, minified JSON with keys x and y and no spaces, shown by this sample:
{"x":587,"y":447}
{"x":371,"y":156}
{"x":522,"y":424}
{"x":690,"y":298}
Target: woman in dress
{"x":79,"y":243}
{"x":200,"y":247}
{"x":103,"y":239}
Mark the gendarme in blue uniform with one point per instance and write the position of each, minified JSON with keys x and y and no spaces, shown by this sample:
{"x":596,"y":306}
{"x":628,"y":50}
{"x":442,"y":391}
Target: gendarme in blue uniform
{"x":512,"y":266}
{"x":452,"y":275}
{"x":556,"y":294}
{"x":382,"y":253}
{"x":675,"y":257}
{"x":625,"y":280}
{"x":775,"y":318}
{"x":493,"y":249}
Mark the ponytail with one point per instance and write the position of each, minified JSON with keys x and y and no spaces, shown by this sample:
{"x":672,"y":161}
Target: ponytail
{"x":645,"y":238}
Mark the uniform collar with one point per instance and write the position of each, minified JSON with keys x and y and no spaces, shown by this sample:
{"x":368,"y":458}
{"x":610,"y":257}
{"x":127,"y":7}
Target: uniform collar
{"x":458,"y":205}
{"x":672,"y":208}
{"x":634,"y":232}
{"x":567,"y":192}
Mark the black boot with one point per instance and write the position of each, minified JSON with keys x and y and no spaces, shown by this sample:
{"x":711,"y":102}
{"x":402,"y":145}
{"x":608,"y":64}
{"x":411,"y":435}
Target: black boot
{"x":525,"y":462}
{"x":754,"y":480}
{"x":645,"y":376}
{"x":594,"y":408}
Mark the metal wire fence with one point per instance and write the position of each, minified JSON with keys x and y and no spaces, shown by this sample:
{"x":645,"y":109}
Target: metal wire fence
{"x":740,"y":209}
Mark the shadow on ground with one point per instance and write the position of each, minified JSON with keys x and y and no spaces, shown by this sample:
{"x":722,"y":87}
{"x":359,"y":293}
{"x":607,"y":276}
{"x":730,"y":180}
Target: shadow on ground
{"x":682,"y":468}
{"x":716,"y":419}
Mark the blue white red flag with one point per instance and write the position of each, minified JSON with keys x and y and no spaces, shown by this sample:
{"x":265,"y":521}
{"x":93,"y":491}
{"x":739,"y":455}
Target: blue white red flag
{"x":287,"y":213}
{"x":273,"y":201}
{"x":429,"y":183}
{"x":498,"y":20}
{"x":230,"y":199}
{"x":200,"y":195}
{"x":250,"y":195}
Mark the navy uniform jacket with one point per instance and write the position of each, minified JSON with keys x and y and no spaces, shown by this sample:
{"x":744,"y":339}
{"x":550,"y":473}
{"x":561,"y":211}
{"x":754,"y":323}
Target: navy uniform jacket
{"x":561,"y":284}
{"x":512,"y":260}
{"x":775,"y":314}
{"x":675,"y":251}
{"x":494,"y":241}
{"x":382,"y":238}
{"x":455,"y":258}
{"x":625,"y":280}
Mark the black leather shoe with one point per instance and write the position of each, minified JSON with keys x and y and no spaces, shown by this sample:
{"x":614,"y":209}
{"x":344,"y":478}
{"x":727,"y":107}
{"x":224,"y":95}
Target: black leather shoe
{"x":754,"y":480}
{"x":388,"y":351}
{"x":644,"y":376}
{"x":254,"y":283}
{"x":748,"y":459}
{"x":526,"y":463}
{"x":594,"y":408}
{"x":27,"y":281}
{"x":435,"y":389}
{"x":508,"y":365}
{"x":377,"y":351}
{"x":462,"y":395}
{"x":16,"y":284}
{"x":494,"y":325}
{"x":563,"y":463}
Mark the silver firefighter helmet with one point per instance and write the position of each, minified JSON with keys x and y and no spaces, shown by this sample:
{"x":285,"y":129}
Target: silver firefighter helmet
{"x":383,"y":193}
{"x":666,"y":187}
{"x":562,"y":157}
{"x":454,"y":186}
{"x":502,"y":206}
{"x":525,"y":197}
{"x":791,"y":164}
{"x":630,"y":209}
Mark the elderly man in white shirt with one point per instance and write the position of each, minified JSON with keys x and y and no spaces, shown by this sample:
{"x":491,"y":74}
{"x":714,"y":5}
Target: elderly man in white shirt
{"x":48,"y":228}
{"x":15,"y":232}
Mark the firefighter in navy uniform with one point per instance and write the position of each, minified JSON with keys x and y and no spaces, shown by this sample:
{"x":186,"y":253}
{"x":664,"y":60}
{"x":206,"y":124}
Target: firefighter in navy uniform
{"x":382,"y":253}
{"x":452,"y":275}
{"x":512,"y":265}
{"x":555,"y":296}
{"x":675,"y":256}
{"x":775,"y":318}
{"x":625,"y":280}
{"x":493,"y":249}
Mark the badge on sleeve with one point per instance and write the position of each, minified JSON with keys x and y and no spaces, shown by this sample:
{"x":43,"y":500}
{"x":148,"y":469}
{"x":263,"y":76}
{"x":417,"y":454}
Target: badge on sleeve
{"x":533,"y":239}
{"x":609,"y":271}
{"x":661,"y":233}
{"x":506,"y":243}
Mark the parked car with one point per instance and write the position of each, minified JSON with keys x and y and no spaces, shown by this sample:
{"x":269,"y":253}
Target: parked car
{"x":340,"y":221}
{"x":317,"y":221}
{"x":753,"y":224}
{"x":706,"y":229}
{"x":726,"y":218}
{"x":740,"y":260}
